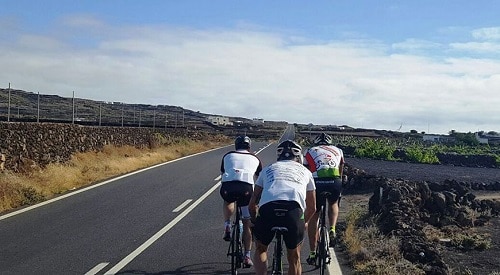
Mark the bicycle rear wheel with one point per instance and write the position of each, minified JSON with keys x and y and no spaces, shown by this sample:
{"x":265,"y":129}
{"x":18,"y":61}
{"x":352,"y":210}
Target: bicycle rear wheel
{"x":322,"y":250}
{"x":277,"y":267}
{"x":236,"y":246}
{"x":233,"y":251}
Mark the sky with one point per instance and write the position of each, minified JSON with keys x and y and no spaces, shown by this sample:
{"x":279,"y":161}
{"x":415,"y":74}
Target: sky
{"x":430,"y":66}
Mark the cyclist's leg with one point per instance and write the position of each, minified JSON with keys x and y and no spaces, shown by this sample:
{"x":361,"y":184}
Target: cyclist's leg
{"x":246,"y":194}
{"x":293,"y":257}
{"x":333,"y":214}
{"x":226,"y":192}
{"x":263,"y":237}
{"x":312,"y":231}
{"x":260,"y":258}
{"x":228,"y":210}
{"x":333,"y":211}
{"x":247,"y":234}
{"x":312,"y":227}
{"x":293,"y":238}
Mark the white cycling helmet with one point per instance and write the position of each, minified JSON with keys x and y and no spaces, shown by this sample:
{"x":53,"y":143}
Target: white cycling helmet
{"x":323,"y":139}
{"x":289,"y":150}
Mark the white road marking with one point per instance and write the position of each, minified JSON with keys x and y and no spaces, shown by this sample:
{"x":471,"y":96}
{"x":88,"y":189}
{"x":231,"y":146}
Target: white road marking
{"x":164,"y":230}
{"x":96,"y":269}
{"x":182,"y":205}
{"x":160,"y":233}
{"x":151,"y":240}
{"x":334,"y":267}
{"x":93,"y":186}
{"x":263,"y":148}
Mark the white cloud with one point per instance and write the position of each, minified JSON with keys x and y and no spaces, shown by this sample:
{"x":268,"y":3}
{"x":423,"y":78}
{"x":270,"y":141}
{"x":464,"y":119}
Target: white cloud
{"x":492,"y":33}
{"x":83,"y":21}
{"x":253,"y":73}
{"x":413,"y":44}
{"x":479,"y":47}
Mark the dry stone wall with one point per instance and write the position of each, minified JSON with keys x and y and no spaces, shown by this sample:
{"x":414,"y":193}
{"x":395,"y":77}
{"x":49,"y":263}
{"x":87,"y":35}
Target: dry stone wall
{"x":38,"y":144}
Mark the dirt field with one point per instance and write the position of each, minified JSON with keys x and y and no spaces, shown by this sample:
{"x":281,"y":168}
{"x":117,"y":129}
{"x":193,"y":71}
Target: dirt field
{"x":458,"y":261}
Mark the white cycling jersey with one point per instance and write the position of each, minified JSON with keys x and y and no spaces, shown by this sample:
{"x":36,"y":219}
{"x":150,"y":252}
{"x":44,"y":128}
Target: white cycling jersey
{"x":240,"y":165}
{"x":324,"y":161}
{"x":285,"y":180}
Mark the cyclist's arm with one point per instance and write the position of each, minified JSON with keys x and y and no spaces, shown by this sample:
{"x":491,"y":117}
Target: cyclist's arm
{"x":222,"y":166}
{"x":257,"y":171}
{"x":341,"y":169}
{"x":310,"y":205}
{"x":342,"y":164}
{"x":306,"y":162}
{"x":254,"y":201}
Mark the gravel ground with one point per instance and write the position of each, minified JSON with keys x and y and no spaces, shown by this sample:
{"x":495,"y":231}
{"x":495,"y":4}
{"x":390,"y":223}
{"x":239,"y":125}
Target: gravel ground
{"x":459,"y":262}
{"x":425,"y":172}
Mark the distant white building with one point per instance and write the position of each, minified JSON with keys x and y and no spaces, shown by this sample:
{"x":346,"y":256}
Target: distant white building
{"x":483,"y":138}
{"x":256,"y":121}
{"x":438,"y":138}
{"x":219,"y":120}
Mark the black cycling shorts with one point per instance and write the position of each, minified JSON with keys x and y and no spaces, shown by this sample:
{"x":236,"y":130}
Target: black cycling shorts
{"x":333,"y":186}
{"x":292,"y":219}
{"x":232,"y":191}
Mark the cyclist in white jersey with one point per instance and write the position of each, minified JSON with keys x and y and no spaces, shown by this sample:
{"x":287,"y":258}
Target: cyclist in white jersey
{"x":326,"y":162}
{"x":239,"y":169}
{"x":285,"y":184}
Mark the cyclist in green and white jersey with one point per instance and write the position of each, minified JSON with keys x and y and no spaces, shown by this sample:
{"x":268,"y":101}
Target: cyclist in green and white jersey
{"x":326,"y":162}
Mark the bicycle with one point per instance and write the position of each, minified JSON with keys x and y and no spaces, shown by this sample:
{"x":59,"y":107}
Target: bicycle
{"x":277,"y":267}
{"x":323,"y":246}
{"x":235,"y":250}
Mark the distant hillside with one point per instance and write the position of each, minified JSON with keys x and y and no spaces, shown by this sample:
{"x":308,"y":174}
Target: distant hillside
{"x":53,"y":108}
{"x":24,"y":107}
{"x":31,"y":107}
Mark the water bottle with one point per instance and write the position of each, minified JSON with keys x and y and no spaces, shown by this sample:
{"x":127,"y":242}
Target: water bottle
{"x":241,"y":226}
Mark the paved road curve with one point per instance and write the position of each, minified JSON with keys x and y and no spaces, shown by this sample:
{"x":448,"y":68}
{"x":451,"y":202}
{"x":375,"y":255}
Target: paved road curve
{"x":162,"y":220}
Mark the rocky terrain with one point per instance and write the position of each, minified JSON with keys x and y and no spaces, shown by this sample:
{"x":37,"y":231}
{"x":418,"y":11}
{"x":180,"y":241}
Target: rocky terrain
{"x":447,"y":217}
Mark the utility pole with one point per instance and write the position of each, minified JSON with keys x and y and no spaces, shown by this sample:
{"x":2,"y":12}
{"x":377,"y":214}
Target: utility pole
{"x":100,"y":113}
{"x":154,"y":118}
{"x":8,"y":107}
{"x":73,"y":101}
{"x":123,"y":106}
{"x":38,"y":108}
{"x":166,"y":120}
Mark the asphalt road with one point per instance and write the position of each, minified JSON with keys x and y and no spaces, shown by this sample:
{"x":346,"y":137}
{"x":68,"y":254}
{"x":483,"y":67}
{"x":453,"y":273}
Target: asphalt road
{"x":165,"y":219}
